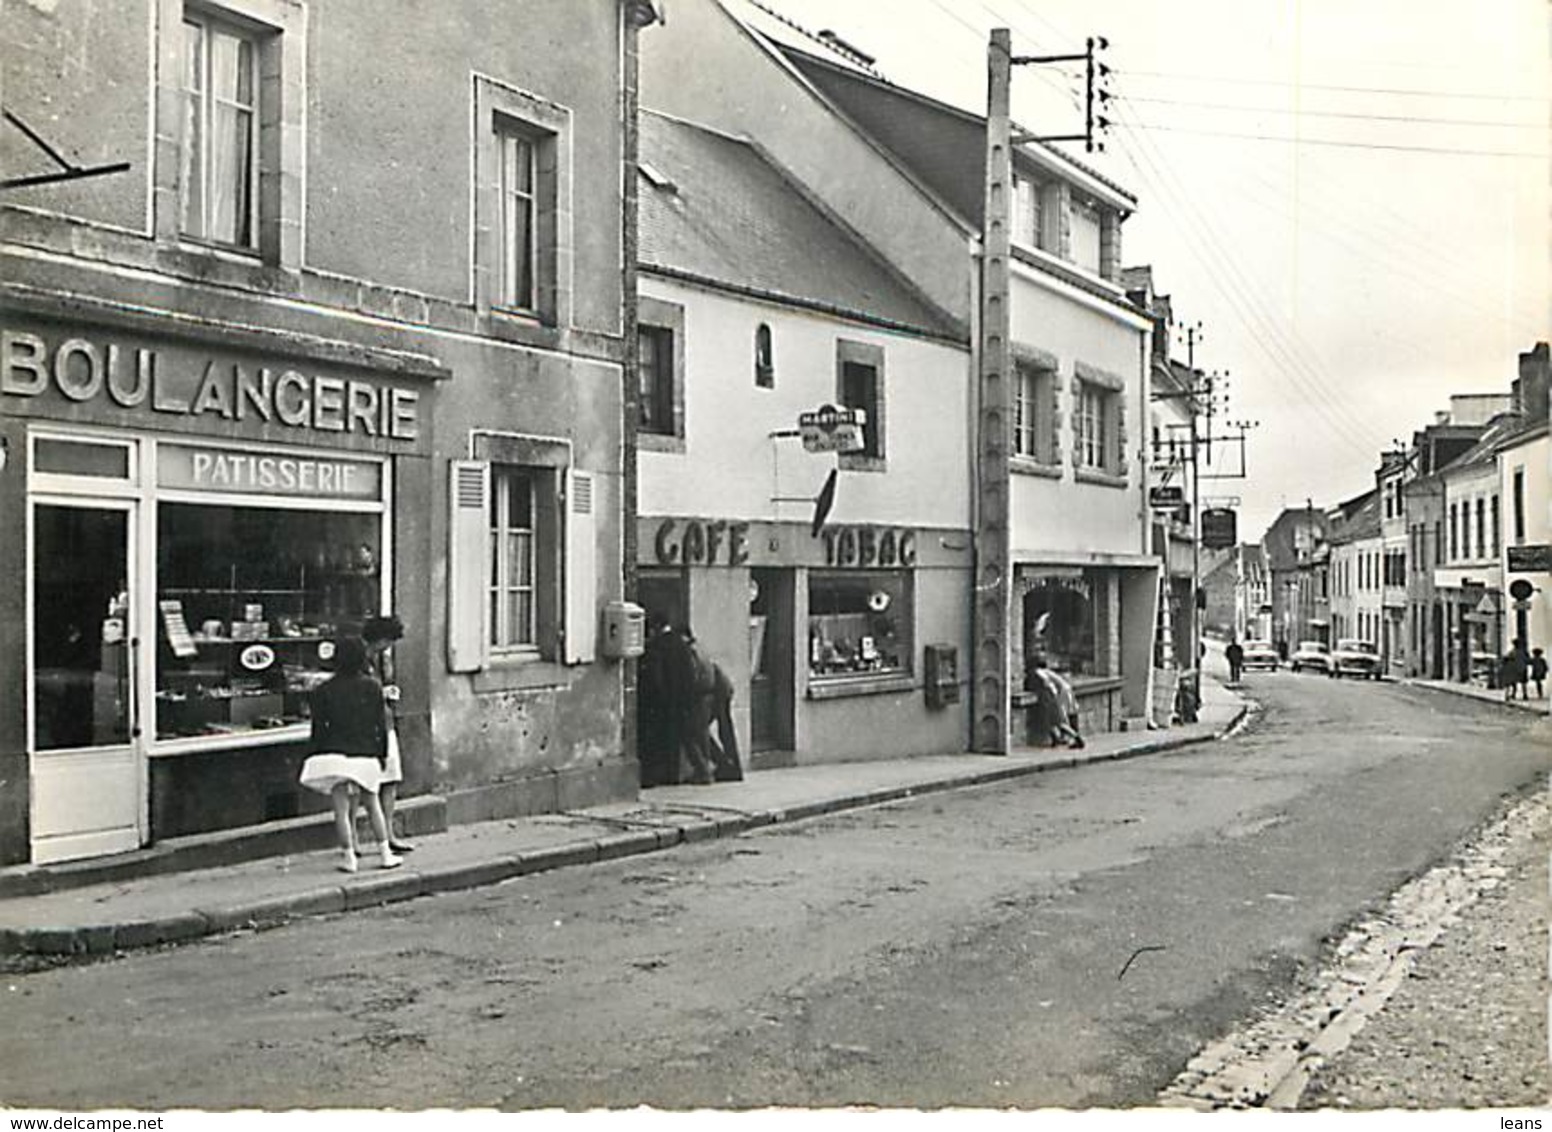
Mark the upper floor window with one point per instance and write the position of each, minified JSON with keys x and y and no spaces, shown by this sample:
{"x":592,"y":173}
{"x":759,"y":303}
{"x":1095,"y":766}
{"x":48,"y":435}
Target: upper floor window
{"x":231,"y":85}
{"x":764,"y":358}
{"x":1098,"y":421}
{"x":1028,"y":212}
{"x":220,"y":132}
{"x":1092,"y":434}
{"x":859,"y":384}
{"x":1496,"y":521}
{"x":519,"y":217}
{"x":1454,"y":532}
{"x":660,"y":375}
{"x":1518,"y":504}
{"x":656,"y":350}
{"x":1085,"y":237}
{"x":1034,"y":411}
{"x":1481,"y":528}
{"x":522,"y":201}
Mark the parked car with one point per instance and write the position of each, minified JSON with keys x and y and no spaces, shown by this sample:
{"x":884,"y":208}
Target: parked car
{"x":1313,"y":656}
{"x":1354,"y":657}
{"x":1260,"y":654}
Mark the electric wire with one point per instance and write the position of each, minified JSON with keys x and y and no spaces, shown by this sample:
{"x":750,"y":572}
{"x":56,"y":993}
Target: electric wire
{"x":1224,"y":275}
{"x":1305,"y":112}
{"x":1403,"y":91}
{"x":1452,"y":151}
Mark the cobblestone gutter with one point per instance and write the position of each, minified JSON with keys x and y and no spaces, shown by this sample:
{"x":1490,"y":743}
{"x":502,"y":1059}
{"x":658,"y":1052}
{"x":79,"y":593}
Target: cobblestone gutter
{"x":1272,"y":1062}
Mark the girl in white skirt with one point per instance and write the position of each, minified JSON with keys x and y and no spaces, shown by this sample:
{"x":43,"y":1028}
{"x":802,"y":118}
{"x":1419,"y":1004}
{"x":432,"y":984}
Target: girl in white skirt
{"x":349,"y":748}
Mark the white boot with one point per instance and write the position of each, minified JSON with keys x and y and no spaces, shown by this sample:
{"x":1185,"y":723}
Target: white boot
{"x":390,"y":859}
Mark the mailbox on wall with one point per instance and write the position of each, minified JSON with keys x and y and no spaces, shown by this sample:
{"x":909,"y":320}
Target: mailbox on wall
{"x":625,"y":629}
{"x":941,"y":671}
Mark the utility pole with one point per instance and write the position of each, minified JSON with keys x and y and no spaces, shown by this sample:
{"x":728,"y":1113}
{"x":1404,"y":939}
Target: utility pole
{"x":991,"y":700}
{"x":991,"y":696}
{"x":1193,"y":332}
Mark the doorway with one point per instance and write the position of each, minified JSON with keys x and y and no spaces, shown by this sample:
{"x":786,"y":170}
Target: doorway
{"x":86,"y":757}
{"x":771,"y":704}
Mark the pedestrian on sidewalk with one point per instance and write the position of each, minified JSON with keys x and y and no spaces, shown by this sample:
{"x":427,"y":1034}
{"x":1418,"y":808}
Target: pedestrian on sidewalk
{"x":1511,"y":672}
{"x":1522,"y":657}
{"x":711,"y":699}
{"x":1235,"y":655}
{"x":1052,"y":724}
{"x":663,"y":692}
{"x":724,"y":748}
{"x":349,"y":749}
{"x":379,"y":635}
{"x":1538,"y":671}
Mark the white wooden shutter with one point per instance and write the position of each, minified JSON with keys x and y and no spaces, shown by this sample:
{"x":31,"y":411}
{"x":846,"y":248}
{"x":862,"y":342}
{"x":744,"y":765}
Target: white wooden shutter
{"x":581,"y":627}
{"x":468,"y":559}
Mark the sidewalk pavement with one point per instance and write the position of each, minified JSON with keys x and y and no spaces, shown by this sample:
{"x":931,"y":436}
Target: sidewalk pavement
{"x":170,"y":907}
{"x":1536,"y":706}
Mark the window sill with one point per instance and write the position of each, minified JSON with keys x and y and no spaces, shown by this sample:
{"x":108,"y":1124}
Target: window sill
{"x":527,"y":328}
{"x":1099,"y":478}
{"x":1029,"y":466}
{"x":236,"y":740}
{"x":659,"y":442}
{"x":840,"y":687}
{"x":514,"y":675}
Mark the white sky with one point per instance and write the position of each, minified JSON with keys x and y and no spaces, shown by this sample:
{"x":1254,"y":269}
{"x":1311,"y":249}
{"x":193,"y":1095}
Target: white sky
{"x":1347,"y":289}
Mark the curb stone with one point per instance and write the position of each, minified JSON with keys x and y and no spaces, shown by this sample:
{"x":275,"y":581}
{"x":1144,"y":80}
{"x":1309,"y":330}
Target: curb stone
{"x":375,"y":891}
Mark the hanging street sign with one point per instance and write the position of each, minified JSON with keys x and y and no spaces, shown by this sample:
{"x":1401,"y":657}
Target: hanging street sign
{"x":829,"y":429}
{"x":1219,"y":528}
{"x":1166,"y":497}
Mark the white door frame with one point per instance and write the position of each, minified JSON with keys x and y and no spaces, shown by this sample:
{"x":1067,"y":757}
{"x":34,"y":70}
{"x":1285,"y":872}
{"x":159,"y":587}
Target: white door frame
{"x":88,"y":763}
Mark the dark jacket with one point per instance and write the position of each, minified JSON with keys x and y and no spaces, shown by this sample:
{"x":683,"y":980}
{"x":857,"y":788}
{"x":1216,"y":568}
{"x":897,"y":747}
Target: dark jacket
{"x":348,"y":717}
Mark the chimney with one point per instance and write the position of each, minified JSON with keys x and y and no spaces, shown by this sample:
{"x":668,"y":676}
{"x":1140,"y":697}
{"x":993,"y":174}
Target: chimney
{"x":1530,"y":388}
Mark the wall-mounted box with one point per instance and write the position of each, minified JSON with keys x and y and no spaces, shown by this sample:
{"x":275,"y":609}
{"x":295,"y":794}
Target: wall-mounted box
{"x":625,"y":629}
{"x":941,"y":675}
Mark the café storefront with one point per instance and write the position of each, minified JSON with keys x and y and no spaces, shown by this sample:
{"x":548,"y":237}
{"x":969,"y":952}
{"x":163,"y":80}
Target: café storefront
{"x":842,"y":645}
{"x":198,"y":521}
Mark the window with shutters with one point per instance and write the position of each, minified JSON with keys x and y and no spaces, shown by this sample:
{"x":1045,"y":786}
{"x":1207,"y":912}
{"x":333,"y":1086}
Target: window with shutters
{"x":511,"y":599}
{"x":522,"y":565}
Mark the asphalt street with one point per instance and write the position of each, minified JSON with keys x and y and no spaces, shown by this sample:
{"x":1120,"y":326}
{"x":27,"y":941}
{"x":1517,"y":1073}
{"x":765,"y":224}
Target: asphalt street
{"x":1070,"y":939}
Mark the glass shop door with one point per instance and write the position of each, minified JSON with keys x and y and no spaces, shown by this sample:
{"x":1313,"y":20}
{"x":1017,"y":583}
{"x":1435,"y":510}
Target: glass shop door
{"x":86,"y":748}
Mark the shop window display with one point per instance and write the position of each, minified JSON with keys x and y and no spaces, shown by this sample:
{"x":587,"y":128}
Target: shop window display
{"x":1059,"y":623}
{"x":859,"y":623}
{"x":249,"y":602}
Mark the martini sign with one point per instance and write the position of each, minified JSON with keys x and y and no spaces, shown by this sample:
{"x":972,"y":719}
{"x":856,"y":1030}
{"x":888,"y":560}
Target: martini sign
{"x":829,"y":429}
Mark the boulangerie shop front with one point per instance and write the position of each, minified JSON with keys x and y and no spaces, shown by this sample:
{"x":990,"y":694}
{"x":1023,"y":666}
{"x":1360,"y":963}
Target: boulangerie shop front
{"x":199,"y":524}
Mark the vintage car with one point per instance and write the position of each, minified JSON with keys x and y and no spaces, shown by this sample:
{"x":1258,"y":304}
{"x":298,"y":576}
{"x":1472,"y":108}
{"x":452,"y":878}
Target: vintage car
{"x":1354,"y":657}
{"x":1311,"y":656}
{"x":1260,"y":654}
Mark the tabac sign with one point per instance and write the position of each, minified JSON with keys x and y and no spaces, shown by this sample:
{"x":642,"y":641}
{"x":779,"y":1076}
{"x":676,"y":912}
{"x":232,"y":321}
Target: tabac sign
{"x":187,"y":382}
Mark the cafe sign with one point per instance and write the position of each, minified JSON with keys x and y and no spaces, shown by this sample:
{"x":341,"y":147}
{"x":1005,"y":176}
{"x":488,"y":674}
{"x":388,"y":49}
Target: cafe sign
{"x":176,"y":381}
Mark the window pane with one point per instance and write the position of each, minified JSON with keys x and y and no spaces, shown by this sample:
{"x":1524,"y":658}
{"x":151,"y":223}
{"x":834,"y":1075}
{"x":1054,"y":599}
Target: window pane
{"x":231,"y":159}
{"x":76,"y":458}
{"x":859,"y":622}
{"x":259,"y":591}
{"x":522,"y":619}
{"x":229,"y":60}
{"x":517,"y":221}
{"x":520,"y":567}
{"x":519,"y":511}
